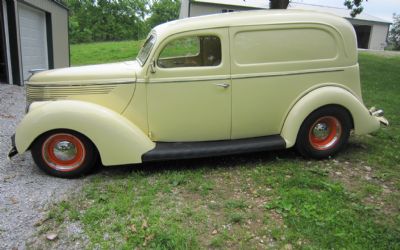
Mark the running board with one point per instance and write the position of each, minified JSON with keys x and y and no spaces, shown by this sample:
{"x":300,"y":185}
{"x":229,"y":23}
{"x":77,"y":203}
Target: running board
{"x":188,"y":150}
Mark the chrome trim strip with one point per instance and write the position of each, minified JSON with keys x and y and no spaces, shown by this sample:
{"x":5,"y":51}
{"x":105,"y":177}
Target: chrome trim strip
{"x":187,"y":79}
{"x":140,"y":81}
{"x":290,"y":73}
{"x":190,"y":79}
{"x":88,"y":84}
{"x":241,"y":76}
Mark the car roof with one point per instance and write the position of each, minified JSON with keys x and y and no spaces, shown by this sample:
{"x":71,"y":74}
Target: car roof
{"x":246,"y":18}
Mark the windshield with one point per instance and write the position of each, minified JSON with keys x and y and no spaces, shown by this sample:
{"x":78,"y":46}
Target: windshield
{"x":146,"y":49}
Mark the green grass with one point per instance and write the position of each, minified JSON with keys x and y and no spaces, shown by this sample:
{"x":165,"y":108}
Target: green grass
{"x":321,"y":211}
{"x":104,"y":52}
{"x":265,"y":200}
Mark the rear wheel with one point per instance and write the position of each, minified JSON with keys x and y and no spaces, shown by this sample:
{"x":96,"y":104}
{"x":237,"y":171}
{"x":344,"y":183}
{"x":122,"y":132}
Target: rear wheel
{"x":64,"y":153}
{"x":324,"y":132}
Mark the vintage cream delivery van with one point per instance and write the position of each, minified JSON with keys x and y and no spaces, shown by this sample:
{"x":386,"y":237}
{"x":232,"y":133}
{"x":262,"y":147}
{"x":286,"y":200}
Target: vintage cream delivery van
{"x":204,"y":86}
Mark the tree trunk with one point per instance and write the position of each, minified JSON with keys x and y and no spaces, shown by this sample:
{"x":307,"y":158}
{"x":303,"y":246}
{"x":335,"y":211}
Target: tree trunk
{"x":278,"y":4}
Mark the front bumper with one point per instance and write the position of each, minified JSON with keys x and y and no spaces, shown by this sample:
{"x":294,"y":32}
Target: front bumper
{"x":13,"y":151}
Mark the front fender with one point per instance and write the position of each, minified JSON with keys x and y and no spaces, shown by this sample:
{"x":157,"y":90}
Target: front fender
{"x":363,"y":121}
{"x":117,"y":139}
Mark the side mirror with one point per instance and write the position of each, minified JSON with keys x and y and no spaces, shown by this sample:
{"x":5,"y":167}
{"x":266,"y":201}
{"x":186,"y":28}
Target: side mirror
{"x":153,"y":66}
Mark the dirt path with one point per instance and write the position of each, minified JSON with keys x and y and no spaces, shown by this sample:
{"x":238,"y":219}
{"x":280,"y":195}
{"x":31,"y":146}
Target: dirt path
{"x":25,"y":192}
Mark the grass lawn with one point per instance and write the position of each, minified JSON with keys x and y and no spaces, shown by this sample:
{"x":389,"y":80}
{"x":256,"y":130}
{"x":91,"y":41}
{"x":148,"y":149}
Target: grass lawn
{"x":104,"y":52}
{"x":254,"y":201}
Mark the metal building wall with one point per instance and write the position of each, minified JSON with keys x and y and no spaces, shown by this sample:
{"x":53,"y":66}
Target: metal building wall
{"x":6,"y":41}
{"x":59,"y":18}
{"x":379,"y":33}
{"x":199,"y":9}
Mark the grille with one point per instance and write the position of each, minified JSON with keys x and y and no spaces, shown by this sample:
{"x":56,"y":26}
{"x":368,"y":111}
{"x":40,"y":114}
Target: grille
{"x":47,"y":93}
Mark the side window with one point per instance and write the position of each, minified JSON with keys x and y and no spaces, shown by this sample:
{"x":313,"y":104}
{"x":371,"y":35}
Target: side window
{"x":191,"y":51}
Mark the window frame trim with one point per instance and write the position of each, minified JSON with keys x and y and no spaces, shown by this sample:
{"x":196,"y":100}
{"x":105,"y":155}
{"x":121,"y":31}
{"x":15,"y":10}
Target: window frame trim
{"x":183,"y":35}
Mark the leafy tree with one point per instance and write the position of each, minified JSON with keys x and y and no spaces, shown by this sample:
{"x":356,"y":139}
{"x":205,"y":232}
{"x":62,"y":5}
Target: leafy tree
{"x":355,"y":6}
{"x":78,"y":21}
{"x":278,"y":4}
{"x":394,"y":36}
{"x":109,"y":20}
{"x":105,"y":20}
{"x":163,"y":11}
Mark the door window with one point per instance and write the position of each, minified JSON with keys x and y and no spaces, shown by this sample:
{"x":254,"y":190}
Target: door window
{"x":191,"y":51}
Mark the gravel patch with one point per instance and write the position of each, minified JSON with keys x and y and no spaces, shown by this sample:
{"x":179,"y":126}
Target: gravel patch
{"x":25,"y":191}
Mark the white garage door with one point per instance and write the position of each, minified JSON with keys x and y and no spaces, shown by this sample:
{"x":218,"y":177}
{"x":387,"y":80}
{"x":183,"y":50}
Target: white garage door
{"x":32,"y":24}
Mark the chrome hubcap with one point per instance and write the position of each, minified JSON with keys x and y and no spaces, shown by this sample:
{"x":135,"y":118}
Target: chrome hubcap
{"x":65,"y":151}
{"x":325,"y":133}
{"x":321,"y":130}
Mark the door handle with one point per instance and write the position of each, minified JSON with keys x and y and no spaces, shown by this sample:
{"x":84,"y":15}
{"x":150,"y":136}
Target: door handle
{"x":223,"y":85}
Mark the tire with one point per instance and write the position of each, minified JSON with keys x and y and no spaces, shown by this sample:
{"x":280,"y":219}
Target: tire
{"x":64,"y":153}
{"x":324,"y":132}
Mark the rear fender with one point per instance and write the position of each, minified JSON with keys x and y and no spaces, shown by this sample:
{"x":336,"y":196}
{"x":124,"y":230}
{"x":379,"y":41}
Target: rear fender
{"x":118,"y":140}
{"x":363,"y":121}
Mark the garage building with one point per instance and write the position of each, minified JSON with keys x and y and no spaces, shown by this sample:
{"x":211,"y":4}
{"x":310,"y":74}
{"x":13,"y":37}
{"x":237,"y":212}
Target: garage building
{"x":34,"y":35}
{"x":371,"y":31}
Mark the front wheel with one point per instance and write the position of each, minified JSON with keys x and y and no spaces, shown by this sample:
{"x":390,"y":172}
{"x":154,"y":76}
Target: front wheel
{"x":324,"y":132}
{"x":66,"y":154}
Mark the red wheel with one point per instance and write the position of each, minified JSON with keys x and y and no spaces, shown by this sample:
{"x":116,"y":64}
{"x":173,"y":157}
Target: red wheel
{"x":324,"y":132}
{"x":64,"y":153}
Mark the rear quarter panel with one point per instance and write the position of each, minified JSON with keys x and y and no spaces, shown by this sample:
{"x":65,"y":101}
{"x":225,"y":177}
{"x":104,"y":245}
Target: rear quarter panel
{"x":274,"y":65}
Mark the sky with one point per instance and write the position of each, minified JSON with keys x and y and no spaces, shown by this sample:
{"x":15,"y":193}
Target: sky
{"x":378,"y":8}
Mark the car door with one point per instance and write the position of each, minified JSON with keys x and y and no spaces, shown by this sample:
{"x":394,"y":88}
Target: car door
{"x":188,"y":92}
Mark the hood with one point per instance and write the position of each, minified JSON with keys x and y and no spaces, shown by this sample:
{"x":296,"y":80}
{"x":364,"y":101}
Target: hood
{"x":122,"y":72}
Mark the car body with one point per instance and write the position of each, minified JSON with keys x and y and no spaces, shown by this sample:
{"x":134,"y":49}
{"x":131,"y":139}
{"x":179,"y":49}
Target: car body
{"x":211,"y":85}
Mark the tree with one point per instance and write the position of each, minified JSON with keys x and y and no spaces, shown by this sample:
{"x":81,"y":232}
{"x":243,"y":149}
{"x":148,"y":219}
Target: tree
{"x":278,"y":4}
{"x":106,"y":20}
{"x":354,"y":5}
{"x":394,"y":36}
{"x":110,"y":20}
{"x":163,"y":11}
